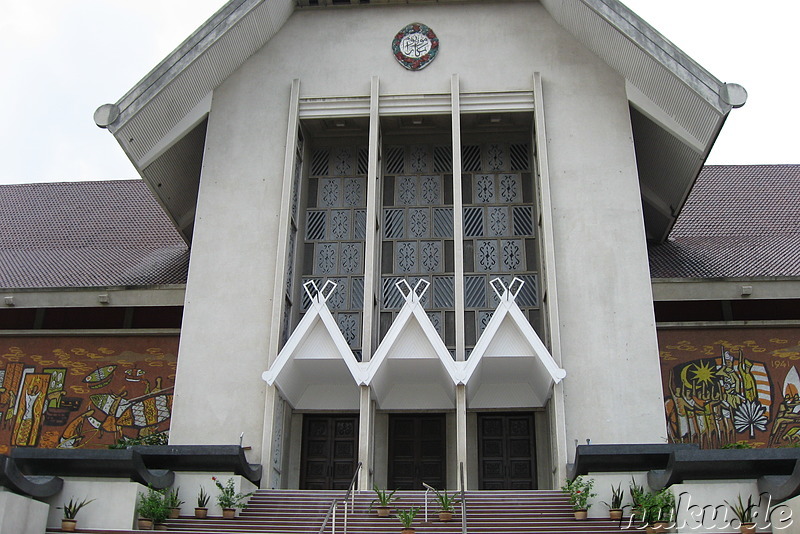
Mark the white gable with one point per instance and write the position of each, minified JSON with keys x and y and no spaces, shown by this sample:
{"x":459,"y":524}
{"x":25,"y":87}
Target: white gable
{"x":509,"y":360}
{"x":316,"y":366}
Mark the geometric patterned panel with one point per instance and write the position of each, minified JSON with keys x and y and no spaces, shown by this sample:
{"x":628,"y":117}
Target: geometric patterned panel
{"x":509,"y":188}
{"x":335,"y":233}
{"x":417,"y":229}
{"x":499,"y":228}
{"x":523,"y":220}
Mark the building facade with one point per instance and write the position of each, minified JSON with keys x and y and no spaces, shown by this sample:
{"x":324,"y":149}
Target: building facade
{"x":418,"y":232}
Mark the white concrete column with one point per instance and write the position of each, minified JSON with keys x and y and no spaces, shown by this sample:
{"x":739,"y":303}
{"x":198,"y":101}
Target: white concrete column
{"x":549,"y":304}
{"x":458,"y":216}
{"x":279,"y":290}
{"x":461,"y":435}
{"x":366,"y":422}
{"x":366,"y":432}
{"x":372,"y":245}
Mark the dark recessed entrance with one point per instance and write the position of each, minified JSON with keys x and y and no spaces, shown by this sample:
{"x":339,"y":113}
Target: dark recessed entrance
{"x":330,"y":451}
{"x":416,"y":451}
{"x":506,"y":451}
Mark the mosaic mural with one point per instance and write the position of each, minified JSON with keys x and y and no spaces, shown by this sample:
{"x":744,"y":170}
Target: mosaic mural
{"x":724,"y":386}
{"x":71,"y":392}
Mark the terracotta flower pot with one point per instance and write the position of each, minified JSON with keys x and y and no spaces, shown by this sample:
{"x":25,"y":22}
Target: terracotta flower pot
{"x":658,"y":527}
{"x":69,"y":525}
{"x":382,"y":511}
{"x":145,"y":524}
{"x":615,"y":514}
{"x":174,"y":513}
{"x":160,"y":526}
{"x":445,"y":515}
{"x":580,"y":515}
{"x":408,"y":531}
{"x":228,"y":513}
{"x":200,"y":513}
{"x":747,"y":528}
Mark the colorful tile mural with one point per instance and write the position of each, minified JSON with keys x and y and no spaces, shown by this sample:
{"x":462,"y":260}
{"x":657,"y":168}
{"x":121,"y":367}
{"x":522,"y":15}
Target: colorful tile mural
{"x":725,"y":386}
{"x":84,"y":391}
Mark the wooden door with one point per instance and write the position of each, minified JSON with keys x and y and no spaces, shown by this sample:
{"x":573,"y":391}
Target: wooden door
{"x":417,"y":451}
{"x":329,"y":452}
{"x":506,"y":451}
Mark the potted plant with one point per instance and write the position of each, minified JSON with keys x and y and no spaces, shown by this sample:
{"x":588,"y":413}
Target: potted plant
{"x":174,"y":503}
{"x":615,"y":508}
{"x":744,"y":513}
{"x":406,"y":518}
{"x":656,"y":510}
{"x":152,"y":509}
{"x":201,"y":511}
{"x":580,"y":491}
{"x":229,"y":499}
{"x":384,"y":499}
{"x":71,"y":509}
{"x":446,"y":505}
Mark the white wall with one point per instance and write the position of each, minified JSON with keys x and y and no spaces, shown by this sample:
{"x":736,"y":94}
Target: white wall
{"x":612,"y":390}
{"x":22,"y":515}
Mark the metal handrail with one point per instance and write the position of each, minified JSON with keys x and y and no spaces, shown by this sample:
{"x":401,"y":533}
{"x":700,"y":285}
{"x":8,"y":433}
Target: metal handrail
{"x":331,"y":511}
{"x":463,"y":502}
{"x":428,"y":489}
{"x":331,"y":515}
{"x":352,"y":496}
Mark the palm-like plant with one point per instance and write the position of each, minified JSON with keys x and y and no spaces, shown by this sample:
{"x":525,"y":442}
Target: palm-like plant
{"x":446,"y":502}
{"x":406,"y":517}
{"x":383,"y":497}
{"x":72,"y":507}
{"x":744,"y":513}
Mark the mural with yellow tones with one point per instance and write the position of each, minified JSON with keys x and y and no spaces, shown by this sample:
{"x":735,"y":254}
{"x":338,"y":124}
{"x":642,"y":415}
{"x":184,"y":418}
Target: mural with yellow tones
{"x":72,"y":392}
{"x":725,"y":386}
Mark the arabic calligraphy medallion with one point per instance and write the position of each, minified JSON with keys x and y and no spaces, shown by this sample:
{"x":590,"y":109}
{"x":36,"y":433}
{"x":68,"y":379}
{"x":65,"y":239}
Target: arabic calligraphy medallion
{"x":415,"y":46}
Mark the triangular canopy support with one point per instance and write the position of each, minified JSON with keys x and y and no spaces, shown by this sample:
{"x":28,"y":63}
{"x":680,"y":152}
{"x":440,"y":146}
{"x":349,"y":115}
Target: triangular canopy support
{"x":412,"y":368}
{"x":316,"y":367}
{"x":521,"y":372}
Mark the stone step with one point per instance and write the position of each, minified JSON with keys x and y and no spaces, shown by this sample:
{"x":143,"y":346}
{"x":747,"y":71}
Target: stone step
{"x":302,"y":512}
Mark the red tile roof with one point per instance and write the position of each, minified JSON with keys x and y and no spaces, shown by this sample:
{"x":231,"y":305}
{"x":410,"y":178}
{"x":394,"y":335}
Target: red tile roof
{"x":87,"y":234}
{"x":739,"y":221}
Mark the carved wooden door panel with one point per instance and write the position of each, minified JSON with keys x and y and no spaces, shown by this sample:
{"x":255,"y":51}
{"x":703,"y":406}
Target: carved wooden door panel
{"x":506,"y":451}
{"x":416,"y":451}
{"x":330,"y":451}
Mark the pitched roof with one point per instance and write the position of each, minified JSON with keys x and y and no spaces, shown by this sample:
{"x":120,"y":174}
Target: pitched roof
{"x":739,"y":221}
{"x":87,"y":234}
{"x":679,"y":106}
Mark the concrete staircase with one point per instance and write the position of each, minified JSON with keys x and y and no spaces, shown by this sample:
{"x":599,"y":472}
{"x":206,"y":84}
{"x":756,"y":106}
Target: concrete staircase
{"x":488,"y":512}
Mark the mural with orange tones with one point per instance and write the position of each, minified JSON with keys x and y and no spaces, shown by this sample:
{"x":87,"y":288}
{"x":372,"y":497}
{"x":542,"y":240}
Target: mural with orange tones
{"x":725,"y":386}
{"x":87,"y":391}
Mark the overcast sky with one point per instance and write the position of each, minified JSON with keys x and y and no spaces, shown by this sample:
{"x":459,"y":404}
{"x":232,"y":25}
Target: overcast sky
{"x":61,"y":60}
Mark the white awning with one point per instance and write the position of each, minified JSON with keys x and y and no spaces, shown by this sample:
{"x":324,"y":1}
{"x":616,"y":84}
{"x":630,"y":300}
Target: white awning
{"x":510,"y":367}
{"x":316,"y":368}
{"x":412,"y":368}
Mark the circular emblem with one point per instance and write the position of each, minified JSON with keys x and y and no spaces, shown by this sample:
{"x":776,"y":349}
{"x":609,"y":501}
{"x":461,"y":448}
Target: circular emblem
{"x":415,"y":46}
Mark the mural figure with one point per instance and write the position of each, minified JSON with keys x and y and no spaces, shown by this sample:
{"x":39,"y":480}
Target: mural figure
{"x":56,"y":393}
{"x":30,"y":410}
{"x":787,"y":421}
{"x":712,"y":400}
{"x":723,"y":385}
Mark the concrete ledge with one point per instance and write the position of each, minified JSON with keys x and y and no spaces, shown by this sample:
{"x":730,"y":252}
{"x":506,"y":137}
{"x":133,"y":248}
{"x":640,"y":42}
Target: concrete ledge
{"x":34,"y":486}
{"x":103,"y":463}
{"x":723,"y":464}
{"x":209,"y":458}
{"x":781,"y":487}
{"x":623,"y":457}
